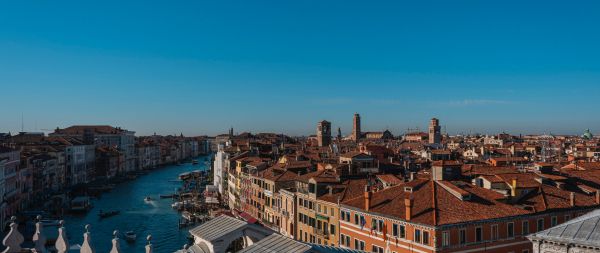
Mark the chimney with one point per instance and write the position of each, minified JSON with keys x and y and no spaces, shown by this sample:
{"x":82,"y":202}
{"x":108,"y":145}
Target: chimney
{"x":513,"y":190}
{"x":330,"y":189}
{"x":572,"y":199}
{"x":408,"y":203}
{"x":412,"y":176}
{"x":597,"y":197}
{"x":367,"y":198}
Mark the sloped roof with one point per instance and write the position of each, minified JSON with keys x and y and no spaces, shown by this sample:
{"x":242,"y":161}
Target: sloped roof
{"x":584,"y":231}
{"x":217,"y":228}
{"x":277,"y":243}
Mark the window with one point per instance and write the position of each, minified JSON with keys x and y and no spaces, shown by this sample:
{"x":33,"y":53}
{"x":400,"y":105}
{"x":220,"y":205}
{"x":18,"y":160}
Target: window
{"x":445,"y":238}
{"x":310,"y":205}
{"x":540,"y":225}
{"x":462,"y":236}
{"x":300,"y":234}
{"x":332,"y":229}
{"x":356,"y":221}
{"x":319,"y":208}
{"x":348,"y":241}
{"x":356,"y":244}
{"x":553,"y":221}
{"x":342,"y":239}
{"x":478,"y":234}
{"x":417,"y":235}
{"x":343,"y":215}
{"x":510,"y":230}
{"x":395,"y":230}
{"x":402,"y":231}
{"x":494,"y":232}
{"x":362,"y":245}
{"x":380,"y":225}
{"x":525,"y":251}
{"x":525,"y":227}
{"x":426,"y":237}
{"x":567,"y":217}
{"x":377,"y":249}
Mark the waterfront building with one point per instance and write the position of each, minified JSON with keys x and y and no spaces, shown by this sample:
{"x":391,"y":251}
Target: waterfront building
{"x":311,"y":223}
{"x":12,"y":181}
{"x":287,"y":198}
{"x":102,"y":135}
{"x":275,"y":179}
{"x":3,"y":203}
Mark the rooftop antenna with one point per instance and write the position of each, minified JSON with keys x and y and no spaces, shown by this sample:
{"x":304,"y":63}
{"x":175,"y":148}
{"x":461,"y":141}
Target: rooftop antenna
{"x":22,"y":123}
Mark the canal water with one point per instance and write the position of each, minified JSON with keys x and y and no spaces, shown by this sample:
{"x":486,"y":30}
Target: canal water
{"x":155,"y":217}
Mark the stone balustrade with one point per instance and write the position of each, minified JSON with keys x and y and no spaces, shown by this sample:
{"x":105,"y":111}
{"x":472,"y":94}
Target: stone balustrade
{"x":14,"y":239}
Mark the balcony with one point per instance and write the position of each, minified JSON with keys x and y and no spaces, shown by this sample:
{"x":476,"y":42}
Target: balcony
{"x":321,"y":232}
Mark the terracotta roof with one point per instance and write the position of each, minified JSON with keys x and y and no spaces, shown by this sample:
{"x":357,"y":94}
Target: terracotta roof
{"x":321,"y":176}
{"x":98,"y":129}
{"x":524,"y":180}
{"x":447,"y":208}
{"x":390,"y":179}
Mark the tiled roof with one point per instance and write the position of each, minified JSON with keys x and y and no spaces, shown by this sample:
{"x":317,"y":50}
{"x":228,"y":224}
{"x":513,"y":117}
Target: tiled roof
{"x":447,"y":208}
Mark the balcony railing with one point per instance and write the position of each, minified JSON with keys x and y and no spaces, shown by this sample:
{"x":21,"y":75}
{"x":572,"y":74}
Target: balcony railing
{"x":13,"y":240}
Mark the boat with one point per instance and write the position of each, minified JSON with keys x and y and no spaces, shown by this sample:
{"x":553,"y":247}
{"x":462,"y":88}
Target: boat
{"x":81,"y":204}
{"x":194,"y":161}
{"x":147,"y":198}
{"x":130,"y":236}
{"x":102,"y":214}
{"x":168,"y":196}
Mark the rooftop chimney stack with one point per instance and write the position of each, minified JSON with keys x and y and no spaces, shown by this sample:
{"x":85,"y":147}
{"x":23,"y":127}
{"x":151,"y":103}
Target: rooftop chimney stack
{"x":513,"y":190}
{"x":367,"y":198}
{"x":408,"y":203}
{"x":598,"y":197}
{"x":572,"y":199}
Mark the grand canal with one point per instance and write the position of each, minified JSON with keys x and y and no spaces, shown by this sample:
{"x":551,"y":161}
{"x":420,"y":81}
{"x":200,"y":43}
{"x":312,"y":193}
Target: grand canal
{"x":155,"y":217}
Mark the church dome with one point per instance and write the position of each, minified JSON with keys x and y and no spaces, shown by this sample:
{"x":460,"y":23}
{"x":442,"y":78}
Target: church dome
{"x":587,"y":135}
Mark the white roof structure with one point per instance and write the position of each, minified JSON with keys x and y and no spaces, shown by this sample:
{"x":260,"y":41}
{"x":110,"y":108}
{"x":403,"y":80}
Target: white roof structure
{"x":277,"y":243}
{"x":217,"y":228}
{"x":582,"y":231}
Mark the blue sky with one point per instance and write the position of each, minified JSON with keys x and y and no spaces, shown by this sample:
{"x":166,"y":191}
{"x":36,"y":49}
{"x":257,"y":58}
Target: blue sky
{"x":199,"y":67}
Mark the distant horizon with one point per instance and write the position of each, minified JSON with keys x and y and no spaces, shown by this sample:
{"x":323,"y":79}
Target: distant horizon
{"x":279,"y":66}
{"x":396,"y":132}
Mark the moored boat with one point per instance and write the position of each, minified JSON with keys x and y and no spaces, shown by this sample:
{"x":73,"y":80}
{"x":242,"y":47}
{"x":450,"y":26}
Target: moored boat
{"x":103,"y":214}
{"x":130,"y":236}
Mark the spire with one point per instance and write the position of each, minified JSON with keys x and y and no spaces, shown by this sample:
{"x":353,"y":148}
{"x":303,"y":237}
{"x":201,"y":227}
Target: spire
{"x":62,"y":243}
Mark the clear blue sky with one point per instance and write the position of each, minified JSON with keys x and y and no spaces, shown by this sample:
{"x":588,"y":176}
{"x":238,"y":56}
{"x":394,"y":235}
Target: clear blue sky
{"x":280,"y":66}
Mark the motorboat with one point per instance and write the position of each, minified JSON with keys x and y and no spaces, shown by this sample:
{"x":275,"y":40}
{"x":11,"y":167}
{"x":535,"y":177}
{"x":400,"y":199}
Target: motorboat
{"x":103,"y":214}
{"x":130,"y":236}
{"x":148,"y":199}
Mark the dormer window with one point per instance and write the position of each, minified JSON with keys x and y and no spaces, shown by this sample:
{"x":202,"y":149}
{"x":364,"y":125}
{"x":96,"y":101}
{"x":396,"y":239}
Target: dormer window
{"x":408,"y":189}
